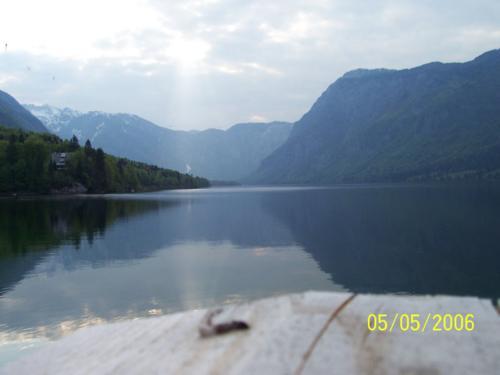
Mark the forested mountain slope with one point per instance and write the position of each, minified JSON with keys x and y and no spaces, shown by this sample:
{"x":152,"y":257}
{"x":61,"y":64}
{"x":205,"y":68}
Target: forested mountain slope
{"x":14,"y":115}
{"x":436,"y":121}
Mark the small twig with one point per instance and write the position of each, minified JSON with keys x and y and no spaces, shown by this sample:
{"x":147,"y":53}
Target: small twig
{"x":311,"y":348}
{"x":208,"y":329}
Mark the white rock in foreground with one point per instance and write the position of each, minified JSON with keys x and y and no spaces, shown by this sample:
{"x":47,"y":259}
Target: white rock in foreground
{"x":330,"y":327}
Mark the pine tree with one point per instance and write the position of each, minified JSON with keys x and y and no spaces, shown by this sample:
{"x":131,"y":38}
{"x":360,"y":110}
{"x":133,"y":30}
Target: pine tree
{"x":74,"y":144}
{"x":100,"y":176}
{"x":88,"y":148}
{"x":11,"y":151}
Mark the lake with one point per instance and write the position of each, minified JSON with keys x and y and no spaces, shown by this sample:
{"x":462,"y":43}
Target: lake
{"x":77,"y":261}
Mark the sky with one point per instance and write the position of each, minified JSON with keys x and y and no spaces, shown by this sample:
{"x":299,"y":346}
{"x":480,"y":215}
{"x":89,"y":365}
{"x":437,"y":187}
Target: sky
{"x":197,"y":64}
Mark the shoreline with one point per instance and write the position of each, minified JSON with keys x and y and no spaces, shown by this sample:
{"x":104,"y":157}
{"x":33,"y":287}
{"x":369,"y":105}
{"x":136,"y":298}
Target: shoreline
{"x":470,"y":183}
{"x":21,"y":195}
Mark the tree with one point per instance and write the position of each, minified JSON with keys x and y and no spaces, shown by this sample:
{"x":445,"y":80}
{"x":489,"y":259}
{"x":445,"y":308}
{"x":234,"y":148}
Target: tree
{"x":88,"y":148}
{"x":11,"y":159}
{"x":36,"y":156}
{"x":100,"y":176}
{"x":26,"y":166}
{"x":74,"y":144}
{"x":11,"y":151}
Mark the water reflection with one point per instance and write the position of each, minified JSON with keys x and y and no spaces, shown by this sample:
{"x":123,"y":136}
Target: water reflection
{"x":146,"y":257}
{"x":66,"y":263}
{"x":31,"y":229}
{"x":417,"y":240}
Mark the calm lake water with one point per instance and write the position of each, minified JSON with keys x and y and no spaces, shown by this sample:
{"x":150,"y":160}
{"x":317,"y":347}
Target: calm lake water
{"x":72,"y":262}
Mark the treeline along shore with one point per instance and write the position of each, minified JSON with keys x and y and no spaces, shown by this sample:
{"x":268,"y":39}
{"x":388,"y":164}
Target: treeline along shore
{"x":42,"y":163}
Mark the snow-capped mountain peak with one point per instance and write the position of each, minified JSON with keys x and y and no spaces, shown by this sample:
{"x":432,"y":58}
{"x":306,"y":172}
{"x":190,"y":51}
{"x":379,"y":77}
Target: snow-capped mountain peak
{"x":53,"y":118}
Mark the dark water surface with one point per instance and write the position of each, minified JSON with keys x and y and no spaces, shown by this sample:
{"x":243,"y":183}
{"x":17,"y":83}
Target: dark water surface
{"x":71,"y":262}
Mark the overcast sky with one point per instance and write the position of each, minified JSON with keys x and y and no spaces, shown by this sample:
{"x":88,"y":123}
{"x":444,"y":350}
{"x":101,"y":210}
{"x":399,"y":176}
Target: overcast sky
{"x":194,"y":64}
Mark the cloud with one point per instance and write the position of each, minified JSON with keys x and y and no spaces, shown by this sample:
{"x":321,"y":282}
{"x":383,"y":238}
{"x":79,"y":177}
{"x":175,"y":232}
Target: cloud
{"x":212,"y":63}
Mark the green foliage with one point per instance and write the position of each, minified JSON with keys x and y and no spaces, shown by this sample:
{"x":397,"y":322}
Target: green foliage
{"x":26,"y":166}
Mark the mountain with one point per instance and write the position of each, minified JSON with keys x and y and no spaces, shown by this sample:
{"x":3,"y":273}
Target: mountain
{"x":234,"y":153}
{"x":14,"y":115}
{"x":217,"y":154}
{"x":435,"y":121}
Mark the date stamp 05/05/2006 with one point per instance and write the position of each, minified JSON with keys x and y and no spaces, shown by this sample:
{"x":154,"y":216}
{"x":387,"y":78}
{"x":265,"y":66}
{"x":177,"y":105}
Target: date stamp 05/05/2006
{"x":421,"y":322}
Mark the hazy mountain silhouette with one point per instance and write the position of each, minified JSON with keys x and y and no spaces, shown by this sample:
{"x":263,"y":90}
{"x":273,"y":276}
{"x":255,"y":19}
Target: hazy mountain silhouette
{"x":216,"y":154}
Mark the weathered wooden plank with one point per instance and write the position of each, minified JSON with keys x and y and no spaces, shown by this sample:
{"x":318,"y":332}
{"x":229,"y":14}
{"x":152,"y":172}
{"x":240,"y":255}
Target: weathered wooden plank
{"x":351,"y":348}
{"x":282,"y":330}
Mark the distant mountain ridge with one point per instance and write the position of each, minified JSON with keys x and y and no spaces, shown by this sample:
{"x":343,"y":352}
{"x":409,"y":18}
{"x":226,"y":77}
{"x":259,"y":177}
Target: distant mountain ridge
{"x":216,"y":154}
{"x":14,"y":115}
{"x":435,"y":121}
